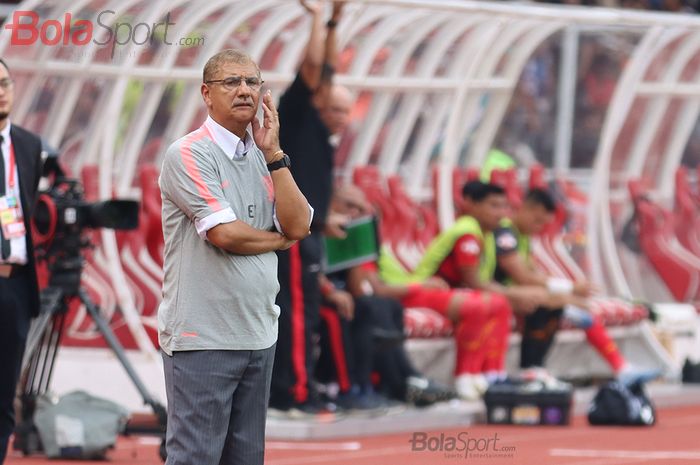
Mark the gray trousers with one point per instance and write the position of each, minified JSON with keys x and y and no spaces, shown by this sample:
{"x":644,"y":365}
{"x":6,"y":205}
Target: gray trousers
{"x":217,"y":405}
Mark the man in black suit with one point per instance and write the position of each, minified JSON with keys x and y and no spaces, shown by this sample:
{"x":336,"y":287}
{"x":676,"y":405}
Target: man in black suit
{"x":20,"y":170}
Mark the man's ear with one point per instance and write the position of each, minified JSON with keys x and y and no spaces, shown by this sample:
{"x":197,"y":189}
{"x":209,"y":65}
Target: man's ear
{"x":205,"y":94}
{"x":317,"y":100}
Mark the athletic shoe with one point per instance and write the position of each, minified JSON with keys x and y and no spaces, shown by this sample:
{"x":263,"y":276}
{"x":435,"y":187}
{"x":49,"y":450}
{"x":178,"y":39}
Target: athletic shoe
{"x":365,"y":400}
{"x":630,"y":374}
{"x":541,"y":375}
{"x":469,"y":386}
{"x":422,"y":392}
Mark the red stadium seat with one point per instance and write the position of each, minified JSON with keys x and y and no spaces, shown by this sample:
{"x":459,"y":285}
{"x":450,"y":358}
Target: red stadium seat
{"x":408,"y":246}
{"x":513,"y":190}
{"x":460,"y":176}
{"x":141,"y":280}
{"x":406,"y":211}
{"x":674,"y":264}
{"x":151,"y":204}
{"x":369,"y":180}
{"x":150,"y":151}
{"x":686,"y":216}
{"x":429,"y":226}
{"x":537,"y":177}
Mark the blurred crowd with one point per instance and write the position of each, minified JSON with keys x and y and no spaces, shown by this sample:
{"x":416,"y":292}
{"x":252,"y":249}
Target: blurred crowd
{"x":526,"y":132}
{"x":676,"y":6}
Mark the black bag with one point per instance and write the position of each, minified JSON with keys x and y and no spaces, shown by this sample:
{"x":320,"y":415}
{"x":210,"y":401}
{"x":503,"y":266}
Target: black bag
{"x":617,"y":404}
{"x":691,"y":372}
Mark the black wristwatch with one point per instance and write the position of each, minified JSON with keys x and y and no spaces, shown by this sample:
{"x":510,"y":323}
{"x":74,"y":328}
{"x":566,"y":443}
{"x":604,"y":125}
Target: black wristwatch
{"x":283,"y":162}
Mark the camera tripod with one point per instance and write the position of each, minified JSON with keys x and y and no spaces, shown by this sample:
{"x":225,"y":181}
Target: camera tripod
{"x":42,"y":348}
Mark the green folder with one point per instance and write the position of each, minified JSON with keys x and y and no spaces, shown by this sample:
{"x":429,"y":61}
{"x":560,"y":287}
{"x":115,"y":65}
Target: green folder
{"x":360,"y":246}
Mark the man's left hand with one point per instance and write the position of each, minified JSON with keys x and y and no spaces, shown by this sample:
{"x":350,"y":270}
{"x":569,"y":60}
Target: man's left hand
{"x":337,"y":10}
{"x":584,"y":289}
{"x":343,"y":303}
{"x":335,"y":222}
{"x":435,"y":282}
{"x":267,"y":136}
{"x":315,"y":8}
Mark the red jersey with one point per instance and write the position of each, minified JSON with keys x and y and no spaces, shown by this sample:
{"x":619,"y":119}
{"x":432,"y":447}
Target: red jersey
{"x":466,"y":252}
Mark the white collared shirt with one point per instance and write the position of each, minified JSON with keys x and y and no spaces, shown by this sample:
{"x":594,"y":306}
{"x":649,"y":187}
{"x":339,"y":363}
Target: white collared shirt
{"x":18,"y":247}
{"x":230,"y":143}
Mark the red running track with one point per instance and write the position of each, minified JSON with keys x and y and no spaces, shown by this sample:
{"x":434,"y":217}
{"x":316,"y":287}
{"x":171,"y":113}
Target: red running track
{"x":673,"y":441}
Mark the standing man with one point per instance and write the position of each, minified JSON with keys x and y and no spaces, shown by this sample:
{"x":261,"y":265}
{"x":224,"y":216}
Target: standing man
{"x":20,"y":170}
{"x":314,"y":112}
{"x":224,"y":193}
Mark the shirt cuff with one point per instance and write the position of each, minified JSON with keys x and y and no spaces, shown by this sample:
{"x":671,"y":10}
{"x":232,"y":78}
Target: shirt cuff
{"x":278,"y":226}
{"x":560,"y":285}
{"x":205,"y":224}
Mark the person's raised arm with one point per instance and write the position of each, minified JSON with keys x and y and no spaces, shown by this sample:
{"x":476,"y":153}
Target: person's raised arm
{"x":312,"y":63}
{"x":330,"y":57}
{"x":331,"y":49}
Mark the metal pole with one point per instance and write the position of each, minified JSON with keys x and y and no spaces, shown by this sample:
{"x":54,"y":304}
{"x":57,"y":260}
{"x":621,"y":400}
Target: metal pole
{"x":566,"y":98}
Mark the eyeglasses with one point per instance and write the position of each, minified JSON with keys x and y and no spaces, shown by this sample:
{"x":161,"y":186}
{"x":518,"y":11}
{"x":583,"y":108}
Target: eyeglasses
{"x":6,"y":83}
{"x":233,"y":82}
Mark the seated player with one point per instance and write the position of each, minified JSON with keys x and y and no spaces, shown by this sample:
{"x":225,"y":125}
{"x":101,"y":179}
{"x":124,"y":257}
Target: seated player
{"x":514,"y":266}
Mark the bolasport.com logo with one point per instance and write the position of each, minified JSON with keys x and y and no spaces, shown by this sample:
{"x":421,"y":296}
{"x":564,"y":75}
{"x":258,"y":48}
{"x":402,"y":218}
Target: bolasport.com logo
{"x":461,"y":446}
{"x":28,"y":28}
